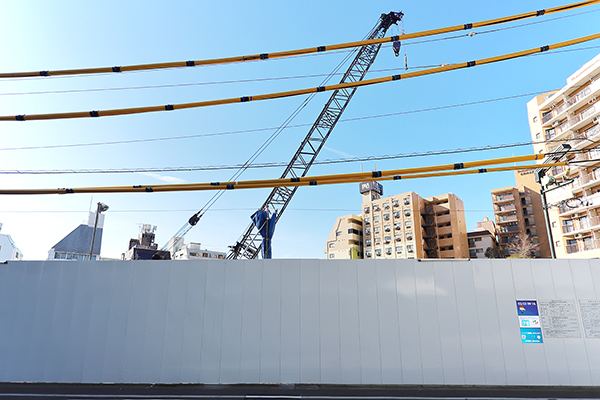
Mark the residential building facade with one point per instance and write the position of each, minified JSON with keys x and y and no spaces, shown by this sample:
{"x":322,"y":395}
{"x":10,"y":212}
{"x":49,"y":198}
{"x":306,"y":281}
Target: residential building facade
{"x":8,"y":248}
{"x":345,"y":239}
{"x":482,"y":238}
{"x":409,"y":226}
{"x":572,"y":115}
{"x":518,"y":211}
{"x":194,"y":251}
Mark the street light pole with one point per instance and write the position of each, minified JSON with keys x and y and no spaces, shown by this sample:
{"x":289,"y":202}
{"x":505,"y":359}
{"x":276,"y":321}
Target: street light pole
{"x":101,"y":208}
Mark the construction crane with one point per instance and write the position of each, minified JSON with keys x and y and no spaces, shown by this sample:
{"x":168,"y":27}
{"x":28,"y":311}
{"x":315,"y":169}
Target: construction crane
{"x":249,"y":244}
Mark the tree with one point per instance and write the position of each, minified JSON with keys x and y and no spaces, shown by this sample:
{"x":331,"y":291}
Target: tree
{"x":523,"y":247}
{"x":494,"y":252}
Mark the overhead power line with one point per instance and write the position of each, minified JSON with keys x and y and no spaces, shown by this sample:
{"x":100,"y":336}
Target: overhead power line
{"x":290,"y":93}
{"x":319,"y":49}
{"x":396,"y":174}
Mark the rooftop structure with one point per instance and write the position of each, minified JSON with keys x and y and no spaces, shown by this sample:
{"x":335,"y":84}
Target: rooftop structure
{"x":76,"y":245}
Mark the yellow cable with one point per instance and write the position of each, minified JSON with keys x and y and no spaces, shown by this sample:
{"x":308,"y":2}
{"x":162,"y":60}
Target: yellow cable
{"x":169,"y":107}
{"x":310,"y":50}
{"x":396,"y":174}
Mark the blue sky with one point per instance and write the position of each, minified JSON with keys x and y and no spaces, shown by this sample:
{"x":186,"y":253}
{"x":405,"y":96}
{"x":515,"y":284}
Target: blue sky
{"x":36,"y":36}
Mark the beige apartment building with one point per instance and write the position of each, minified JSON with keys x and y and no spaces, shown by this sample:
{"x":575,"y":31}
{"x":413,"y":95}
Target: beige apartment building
{"x":572,"y":115}
{"x":518,"y":210}
{"x":345,"y":239}
{"x":483,"y":237}
{"x":409,"y":226}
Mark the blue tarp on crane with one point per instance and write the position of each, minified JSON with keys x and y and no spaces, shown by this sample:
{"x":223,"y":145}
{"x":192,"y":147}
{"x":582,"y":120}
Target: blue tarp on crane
{"x":266,"y":227}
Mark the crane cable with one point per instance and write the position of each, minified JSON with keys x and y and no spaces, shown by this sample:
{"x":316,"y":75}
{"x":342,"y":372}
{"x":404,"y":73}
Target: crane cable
{"x":245,"y":99}
{"x":264,"y":56}
{"x":396,"y":174}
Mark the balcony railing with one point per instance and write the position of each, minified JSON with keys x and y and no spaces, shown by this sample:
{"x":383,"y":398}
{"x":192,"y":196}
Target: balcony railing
{"x":507,"y":229}
{"x":588,"y":134}
{"x":583,"y":245}
{"x":554,"y":113}
{"x":575,"y":98}
{"x":581,"y":203}
{"x":507,"y":218}
{"x":506,"y":208}
{"x":584,"y":179}
{"x":579,"y":225}
{"x":504,"y":197}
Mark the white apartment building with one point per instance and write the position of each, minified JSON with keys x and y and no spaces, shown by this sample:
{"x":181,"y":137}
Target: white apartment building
{"x":8,"y":248}
{"x":572,"y":115}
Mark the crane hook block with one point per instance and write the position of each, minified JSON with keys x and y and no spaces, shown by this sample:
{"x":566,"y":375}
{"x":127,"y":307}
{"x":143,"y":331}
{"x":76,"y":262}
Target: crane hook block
{"x":396,"y":47}
{"x":194,"y":219}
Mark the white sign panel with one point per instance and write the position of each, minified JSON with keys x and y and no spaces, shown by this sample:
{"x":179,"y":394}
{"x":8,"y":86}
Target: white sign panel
{"x":559,"y":318}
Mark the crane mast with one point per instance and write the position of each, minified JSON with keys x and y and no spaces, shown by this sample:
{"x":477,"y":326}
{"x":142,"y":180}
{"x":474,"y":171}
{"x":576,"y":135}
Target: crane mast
{"x":248,"y":246}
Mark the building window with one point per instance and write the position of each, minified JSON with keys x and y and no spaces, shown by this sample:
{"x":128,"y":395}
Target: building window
{"x":368,"y":253}
{"x":538,"y":135}
{"x":367,"y":220}
{"x":397,"y":214}
{"x":398,"y":237}
{"x":332,"y":256}
{"x":368,"y":242}
{"x":377,"y":240}
{"x":377,"y":229}
{"x":535,"y":119}
{"x":378,"y":252}
{"x":395,"y":203}
{"x":558,"y":243}
{"x":375,"y":218}
{"x":338,"y":233}
{"x":368,"y":231}
{"x":386,"y":205}
{"x":554,"y":224}
{"x":408,"y":224}
{"x":387,"y":228}
{"x":407,"y":213}
{"x":398,"y":225}
{"x":409,"y":236}
{"x":388,"y":250}
{"x":331,"y":245}
{"x":388,"y":239}
{"x":409,"y":248}
{"x":398,"y":249}
{"x":386,"y":217}
{"x":366,"y":210}
{"x":406,"y":201}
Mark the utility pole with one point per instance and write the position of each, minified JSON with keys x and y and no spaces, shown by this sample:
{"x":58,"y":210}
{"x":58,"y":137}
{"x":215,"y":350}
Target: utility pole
{"x":101,"y":208}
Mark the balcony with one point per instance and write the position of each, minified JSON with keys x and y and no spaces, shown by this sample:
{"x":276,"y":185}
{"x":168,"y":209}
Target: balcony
{"x":442,"y":219}
{"x":584,"y":94}
{"x":508,"y":229}
{"x":580,"y":204}
{"x":577,"y":121}
{"x":446,"y":242}
{"x":444,"y":230}
{"x":580,"y":225}
{"x":555,"y":114}
{"x":583,"y":245}
{"x":502,"y":219}
{"x":586,"y":180}
{"x":504,"y":197}
{"x":503,"y":209}
{"x":589,"y":134}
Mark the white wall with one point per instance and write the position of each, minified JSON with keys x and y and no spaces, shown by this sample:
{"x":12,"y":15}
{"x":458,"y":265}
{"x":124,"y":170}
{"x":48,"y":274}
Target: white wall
{"x":290,"y":321}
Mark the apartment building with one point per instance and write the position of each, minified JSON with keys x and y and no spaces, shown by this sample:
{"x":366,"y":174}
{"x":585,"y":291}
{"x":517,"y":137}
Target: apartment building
{"x":409,"y":226}
{"x":483,"y":237}
{"x":572,"y":115}
{"x":345,"y":239}
{"x":518,"y":210}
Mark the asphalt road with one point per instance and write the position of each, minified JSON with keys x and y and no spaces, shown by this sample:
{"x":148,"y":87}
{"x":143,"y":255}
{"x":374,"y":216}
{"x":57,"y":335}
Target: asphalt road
{"x":61,"y":391}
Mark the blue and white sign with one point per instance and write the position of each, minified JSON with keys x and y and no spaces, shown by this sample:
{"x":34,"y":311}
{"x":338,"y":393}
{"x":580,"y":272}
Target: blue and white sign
{"x":529,"y":321}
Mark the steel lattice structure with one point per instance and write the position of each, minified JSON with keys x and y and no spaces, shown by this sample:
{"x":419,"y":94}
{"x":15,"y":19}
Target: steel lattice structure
{"x":249,"y":245}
